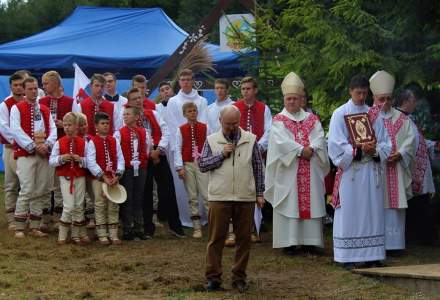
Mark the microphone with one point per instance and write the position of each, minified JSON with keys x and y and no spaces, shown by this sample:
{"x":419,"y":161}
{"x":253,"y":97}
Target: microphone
{"x":232,"y":138}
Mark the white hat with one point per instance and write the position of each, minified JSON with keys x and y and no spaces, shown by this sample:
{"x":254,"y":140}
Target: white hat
{"x":292,"y":84}
{"x":116,"y":193}
{"x":381,"y":83}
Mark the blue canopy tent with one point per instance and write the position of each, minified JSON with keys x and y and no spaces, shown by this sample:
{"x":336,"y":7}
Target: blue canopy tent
{"x":126,"y":41}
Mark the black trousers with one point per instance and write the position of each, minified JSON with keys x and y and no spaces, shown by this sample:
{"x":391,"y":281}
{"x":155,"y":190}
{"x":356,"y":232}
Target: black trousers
{"x":420,"y":225}
{"x":131,"y":210}
{"x":166,"y":193}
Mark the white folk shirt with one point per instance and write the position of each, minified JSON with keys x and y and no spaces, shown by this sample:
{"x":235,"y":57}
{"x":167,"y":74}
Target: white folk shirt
{"x":165,"y":139}
{"x":213,"y":114}
{"x":5,"y":129}
{"x":398,"y":188}
{"x":283,"y":166}
{"x":175,"y":115}
{"x":93,"y":166}
{"x":24,"y":140}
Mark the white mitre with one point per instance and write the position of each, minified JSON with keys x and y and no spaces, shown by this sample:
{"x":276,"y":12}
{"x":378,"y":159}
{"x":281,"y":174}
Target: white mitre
{"x":292,"y":84}
{"x":382,"y":83}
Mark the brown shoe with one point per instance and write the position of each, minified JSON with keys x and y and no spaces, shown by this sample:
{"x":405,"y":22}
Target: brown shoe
{"x":19,"y":235}
{"x":255,"y":238}
{"x":11,"y":227}
{"x":116,"y":241}
{"x":37,"y":233}
{"x":61,"y":242}
{"x":104,"y":241}
{"x":85,"y":240}
{"x":230,"y":241}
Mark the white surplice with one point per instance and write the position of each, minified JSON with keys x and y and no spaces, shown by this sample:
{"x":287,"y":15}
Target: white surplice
{"x":213,"y":114}
{"x":405,"y":142}
{"x":282,"y":192}
{"x":174,"y":118}
{"x":358,"y":229}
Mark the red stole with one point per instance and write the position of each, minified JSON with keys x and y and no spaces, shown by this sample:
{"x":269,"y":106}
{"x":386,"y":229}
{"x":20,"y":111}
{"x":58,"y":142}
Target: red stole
{"x":252,"y":117}
{"x":392,"y":180}
{"x":127,"y":137}
{"x":301,"y":131}
{"x":193,"y":139}
{"x":89,"y":108}
{"x":421,"y":164}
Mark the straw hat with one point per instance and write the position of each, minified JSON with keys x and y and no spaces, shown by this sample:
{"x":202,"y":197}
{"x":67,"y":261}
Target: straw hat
{"x":382,"y":83}
{"x":116,"y":193}
{"x":292,"y":84}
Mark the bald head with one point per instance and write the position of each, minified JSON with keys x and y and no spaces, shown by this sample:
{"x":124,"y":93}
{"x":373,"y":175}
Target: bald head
{"x":230,"y":119}
{"x":229,"y":109}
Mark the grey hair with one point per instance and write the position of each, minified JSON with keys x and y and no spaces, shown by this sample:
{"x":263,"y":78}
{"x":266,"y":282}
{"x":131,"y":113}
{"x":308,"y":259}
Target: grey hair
{"x":403,"y":96}
{"x":229,"y":109}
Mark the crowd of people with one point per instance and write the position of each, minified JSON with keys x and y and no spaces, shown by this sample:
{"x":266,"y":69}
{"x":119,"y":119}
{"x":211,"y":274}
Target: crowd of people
{"x":232,"y":155}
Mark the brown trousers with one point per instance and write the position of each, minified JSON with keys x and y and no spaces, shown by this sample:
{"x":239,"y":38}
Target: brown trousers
{"x":220,"y":213}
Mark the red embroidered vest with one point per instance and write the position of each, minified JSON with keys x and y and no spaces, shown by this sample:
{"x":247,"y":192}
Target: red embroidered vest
{"x":126,"y":145}
{"x":73,"y":145}
{"x":149,"y":104}
{"x":252,"y":118}
{"x":63,"y":106}
{"x":156,"y":132}
{"x":27,"y":124}
{"x":101,"y":145}
{"x":9,"y":103}
{"x":196,"y":135}
{"x":89,"y":108}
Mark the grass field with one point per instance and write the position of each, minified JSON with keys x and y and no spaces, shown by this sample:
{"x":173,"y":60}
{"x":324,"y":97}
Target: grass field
{"x":167,"y":268}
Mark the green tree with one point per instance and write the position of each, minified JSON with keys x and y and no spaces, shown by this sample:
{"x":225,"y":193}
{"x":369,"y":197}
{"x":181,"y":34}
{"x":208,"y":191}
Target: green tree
{"x":327,"y":42}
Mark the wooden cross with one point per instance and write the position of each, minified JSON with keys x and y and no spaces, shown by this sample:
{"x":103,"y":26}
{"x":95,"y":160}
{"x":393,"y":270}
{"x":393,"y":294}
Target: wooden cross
{"x":186,"y":46}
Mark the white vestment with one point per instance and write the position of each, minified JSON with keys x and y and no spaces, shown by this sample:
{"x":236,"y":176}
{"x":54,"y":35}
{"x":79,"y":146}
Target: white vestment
{"x":291,"y":197}
{"x":174,"y":118}
{"x":213,"y":114}
{"x":422,"y":157}
{"x":398,"y":188}
{"x":358,"y":229}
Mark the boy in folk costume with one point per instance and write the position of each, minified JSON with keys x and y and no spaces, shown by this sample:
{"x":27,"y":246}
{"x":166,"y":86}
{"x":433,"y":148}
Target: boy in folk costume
{"x":12,"y":184}
{"x":88,"y":196}
{"x":106,"y":163}
{"x":34,"y":134}
{"x":69,"y":157}
{"x":59,"y":105}
{"x":397,"y":170}
{"x":97,"y":103}
{"x":135,"y":144}
{"x":190,"y":140}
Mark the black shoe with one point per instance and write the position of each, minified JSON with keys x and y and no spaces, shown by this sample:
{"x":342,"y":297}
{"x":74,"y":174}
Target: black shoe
{"x":178,"y":232}
{"x":374,"y":264}
{"x":240,"y":286}
{"x":291,"y":251}
{"x":141,"y":236}
{"x":213,"y":286}
{"x":128,"y":236}
{"x":349,"y":266}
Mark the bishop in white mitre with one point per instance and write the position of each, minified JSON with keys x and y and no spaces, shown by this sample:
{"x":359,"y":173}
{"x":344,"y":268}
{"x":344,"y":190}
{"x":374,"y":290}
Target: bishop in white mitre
{"x":358,"y":195}
{"x":297,"y":163}
{"x":398,"y":188}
